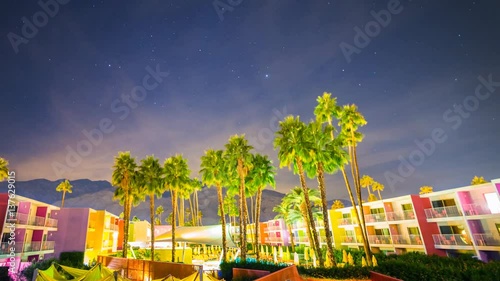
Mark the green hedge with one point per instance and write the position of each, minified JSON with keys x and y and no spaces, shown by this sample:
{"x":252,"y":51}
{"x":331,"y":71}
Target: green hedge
{"x":73,"y":259}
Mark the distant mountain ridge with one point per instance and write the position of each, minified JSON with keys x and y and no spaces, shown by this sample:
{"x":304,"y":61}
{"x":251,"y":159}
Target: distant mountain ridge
{"x":99,"y":195}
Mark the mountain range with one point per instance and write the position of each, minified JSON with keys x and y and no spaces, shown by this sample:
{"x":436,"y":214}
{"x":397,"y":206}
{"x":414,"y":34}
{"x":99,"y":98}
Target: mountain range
{"x":99,"y":195}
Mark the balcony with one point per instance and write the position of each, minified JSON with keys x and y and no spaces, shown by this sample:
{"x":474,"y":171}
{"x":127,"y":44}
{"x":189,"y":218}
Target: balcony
{"x":476,"y":209}
{"x":51,"y":222}
{"x":274,"y":227}
{"x":114,"y":227}
{"x":48,"y":245}
{"x":442,"y":212}
{"x":5,"y":248}
{"x":399,"y":216}
{"x":406,"y":240}
{"x":379,"y":239}
{"x":301,"y":239}
{"x":346,"y":221}
{"x":484,"y":239}
{"x":374,"y":218}
{"x":451,"y":239}
{"x":274,"y":240}
{"x":349,"y":239}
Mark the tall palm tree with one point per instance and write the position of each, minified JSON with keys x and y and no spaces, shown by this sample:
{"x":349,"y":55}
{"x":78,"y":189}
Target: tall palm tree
{"x":475,"y":180}
{"x":4,"y":169}
{"x":337,"y":204}
{"x":64,"y":187}
{"x":213,"y":174}
{"x":239,"y":162}
{"x":326,"y":157}
{"x":150,"y":171}
{"x":261,"y":175}
{"x":378,"y":187}
{"x":294,"y":152}
{"x":123,"y":170}
{"x":159,"y":211}
{"x":175,"y":176}
{"x":350,"y":120}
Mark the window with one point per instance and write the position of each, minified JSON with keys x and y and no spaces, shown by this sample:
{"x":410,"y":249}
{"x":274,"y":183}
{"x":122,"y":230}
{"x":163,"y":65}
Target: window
{"x":413,"y":231}
{"x":377,"y":211}
{"x":382,"y":231}
{"x":443,"y":203}
{"x":493,"y":202}
{"x":407,"y":207}
{"x":346,"y":216}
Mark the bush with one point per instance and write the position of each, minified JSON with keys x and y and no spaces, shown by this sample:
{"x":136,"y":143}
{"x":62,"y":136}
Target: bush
{"x":73,"y":259}
{"x":347,"y":272}
{"x":227,"y":267}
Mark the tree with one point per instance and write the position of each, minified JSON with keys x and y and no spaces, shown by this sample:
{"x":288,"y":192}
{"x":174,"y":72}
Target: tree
{"x":293,"y":152}
{"x":326,"y":157}
{"x":283,"y":211}
{"x":123,"y":171}
{"x":475,"y":180}
{"x":337,"y":204}
{"x":239,"y":162}
{"x":159,"y":212}
{"x":175,"y":175}
{"x":213,"y":174}
{"x":366,"y":182}
{"x":426,"y":189}
{"x":372,"y":197}
{"x":378,"y":187}
{"x":261,"y":175}
{"x":150,"y":171}
{"x":350,"y":120}
{"x":4,"y":169}
{"x":64,"y":187}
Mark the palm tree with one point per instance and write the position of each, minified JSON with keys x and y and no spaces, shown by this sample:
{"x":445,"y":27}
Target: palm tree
{"x":337,"y":204}
{"x":294,"y":152}
{"x":64,"y":187}
{"x":150,"y":171}
{"x":283,"y":211}
{"x":159,"y":211}
{"x":213,"y":174}
{"x":4,"y":169}
{"x":326,"y":110}
{"x":350,"y":119}
{"x":123,"y":171}
{"x":475,"y":180}
{"x":366,"y":182}
{"x":176,"y":176}
{"x":426,"y":189}
{"x":326,"y":157}
{"x":239,"y":161}
{"x":261,"y":175}
{"x":378,"y":187}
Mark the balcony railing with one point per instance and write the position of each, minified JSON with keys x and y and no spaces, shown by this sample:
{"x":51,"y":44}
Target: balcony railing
{"x":375,"y":218}
{"x":301,"y":239}
{"x":51,"y":222}
{"x":274,"y":227}
{"x":399,"y":216}
{"x":442,"y":212}
{"x":380,"y":239}
{"x":451,"y":239}
{"x":406,"y":240}
{"x":476,"y":209}
{"x":5,"y":248}
{"x":484,"y":239}
{"x":48,"y":245}
{"x":349,"y":239}
{"x":346,"y":221}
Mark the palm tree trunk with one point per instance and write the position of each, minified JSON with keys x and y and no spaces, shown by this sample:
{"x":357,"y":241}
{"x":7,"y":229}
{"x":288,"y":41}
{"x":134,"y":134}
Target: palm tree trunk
{"x":303,"y":210}
{"x":243,"y":213}
{"x":64,"y":195}
{"x":181,"y":211}
{"x":152,"y":217}
{"x":358,"y":191}
{"x":256,"y":221}
{"x":126,"y":218}
{"x":191,"y":206}
{"x":174,"y":221}
{"x":197,"y":206}
{"x":379,"y":196}
{"x":317,"y":251}
{"x":328,"y":232}
{"x":290,"y":232}
{"x":223,"y":222}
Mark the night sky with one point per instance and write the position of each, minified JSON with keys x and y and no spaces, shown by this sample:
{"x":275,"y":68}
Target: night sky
{"x":166,"y":77}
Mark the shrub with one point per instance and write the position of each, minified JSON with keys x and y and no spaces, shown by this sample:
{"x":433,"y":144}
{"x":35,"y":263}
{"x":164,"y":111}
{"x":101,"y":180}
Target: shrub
{"x":227,"y":267}
{"x":73,"y":259}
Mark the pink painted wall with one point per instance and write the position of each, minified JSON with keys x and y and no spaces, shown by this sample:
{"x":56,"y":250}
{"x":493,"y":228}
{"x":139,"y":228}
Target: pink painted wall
{"x":498,"y":187}
{"x":388,"y":207}
{"x":24,"y":207}
{"x":426,"y":229}
{"x":41,"y":211}
{"x":20,"y":232}
{"x":72,"y":230}
{"x":37,"y":235}
{"x":465,"y":199}
{"x":4,"y":197}
{"x":475,"y":226}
